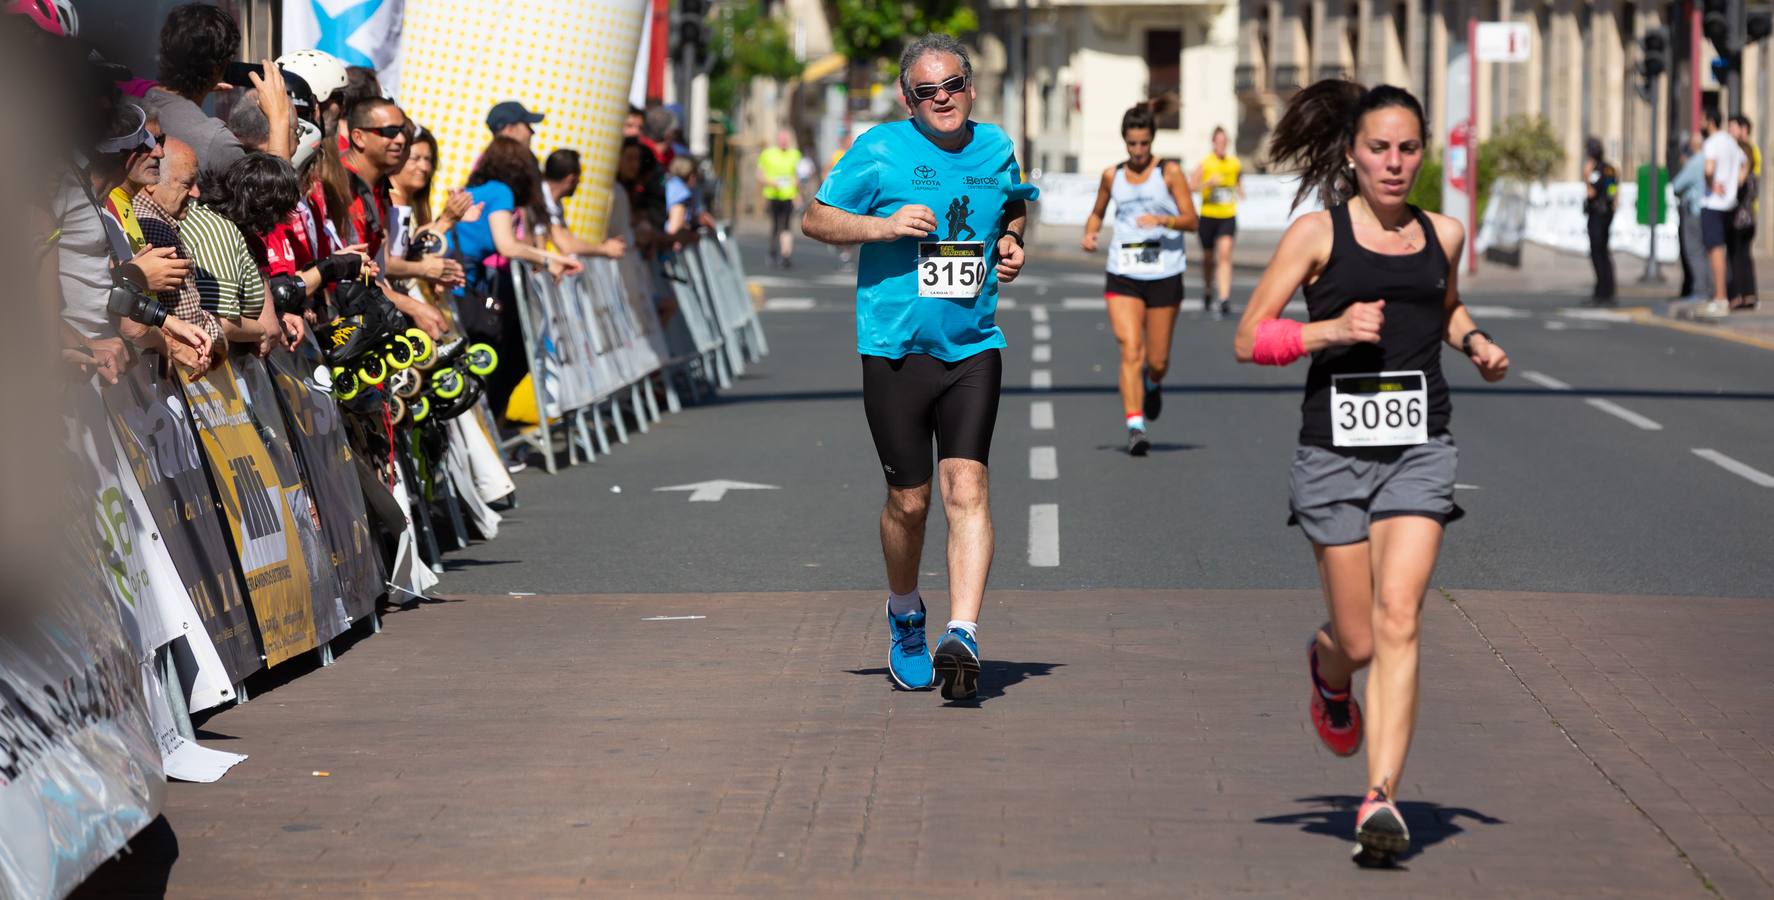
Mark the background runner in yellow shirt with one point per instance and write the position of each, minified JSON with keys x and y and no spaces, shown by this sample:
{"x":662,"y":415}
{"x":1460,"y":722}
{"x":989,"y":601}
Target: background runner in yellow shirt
{"x":778,"y":172}
{"x":1221,"y":189}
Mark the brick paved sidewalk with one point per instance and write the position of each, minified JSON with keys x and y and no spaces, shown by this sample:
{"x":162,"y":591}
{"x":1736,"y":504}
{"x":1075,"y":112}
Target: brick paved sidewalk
{"x":1128,"y":743}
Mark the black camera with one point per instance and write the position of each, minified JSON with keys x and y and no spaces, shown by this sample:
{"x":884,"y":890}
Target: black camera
{"x":425,"y":243}
{"x":129,"y":297}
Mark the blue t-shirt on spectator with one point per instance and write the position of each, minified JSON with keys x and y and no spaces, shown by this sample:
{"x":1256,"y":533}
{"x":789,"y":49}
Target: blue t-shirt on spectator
{"x":894,"y":165}
{"x":475,"y":239}
{"x":676,"y":191}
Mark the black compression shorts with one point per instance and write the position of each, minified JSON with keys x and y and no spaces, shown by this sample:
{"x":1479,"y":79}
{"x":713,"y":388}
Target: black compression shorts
{"x":1210,"y":230}
{"x":917,"y":397}
{"x":781,"y":211}
{"x":1156,"y":293}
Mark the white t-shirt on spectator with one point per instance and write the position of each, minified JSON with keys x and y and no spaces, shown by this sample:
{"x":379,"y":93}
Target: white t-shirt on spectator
{"x":1727,"y":164}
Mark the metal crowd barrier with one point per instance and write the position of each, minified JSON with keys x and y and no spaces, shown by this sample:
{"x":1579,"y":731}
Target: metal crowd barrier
{"x":595,"y":343}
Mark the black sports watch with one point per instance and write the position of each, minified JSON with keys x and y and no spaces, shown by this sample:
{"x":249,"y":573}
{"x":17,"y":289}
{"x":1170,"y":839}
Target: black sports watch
{"x":1466,"y":342}
{"x":1014,"y":235}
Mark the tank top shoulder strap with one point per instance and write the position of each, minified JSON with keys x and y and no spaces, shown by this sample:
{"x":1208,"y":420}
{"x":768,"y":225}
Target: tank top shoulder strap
{"x":1342,"y":230}
{"x":1429,"y":234}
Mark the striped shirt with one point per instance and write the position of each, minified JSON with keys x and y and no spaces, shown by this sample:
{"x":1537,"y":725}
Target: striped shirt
{"x":160,"y":229}
{"x":228,"y":280}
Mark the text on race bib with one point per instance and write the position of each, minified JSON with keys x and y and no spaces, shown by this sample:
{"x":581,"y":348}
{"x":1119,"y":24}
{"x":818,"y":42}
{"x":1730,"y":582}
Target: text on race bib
{"x":1381,"y":409}
{"x":1222,"y":195}
{"x":951,"y":270}
{"x":1137,"y":256}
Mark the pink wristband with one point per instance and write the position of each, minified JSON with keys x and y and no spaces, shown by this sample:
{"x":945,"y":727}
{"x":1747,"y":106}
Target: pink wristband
{"x":1278,"y":342}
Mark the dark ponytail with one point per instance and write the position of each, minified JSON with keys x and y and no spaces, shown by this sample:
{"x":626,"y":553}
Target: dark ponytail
{"x":1317,"y":130}
{"x":1146,"y":113}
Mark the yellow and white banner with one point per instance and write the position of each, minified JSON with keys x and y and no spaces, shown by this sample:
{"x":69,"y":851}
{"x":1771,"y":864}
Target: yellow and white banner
{"x":572,"y":60}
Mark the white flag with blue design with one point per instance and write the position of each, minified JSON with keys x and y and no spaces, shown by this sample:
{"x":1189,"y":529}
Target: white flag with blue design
{"x":359,"y":32}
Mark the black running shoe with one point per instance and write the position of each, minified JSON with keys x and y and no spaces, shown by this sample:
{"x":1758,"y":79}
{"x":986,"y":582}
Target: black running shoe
{"x":1154,"y":401}
{"x":1137,"y":442}
{"x":1224,"y":310}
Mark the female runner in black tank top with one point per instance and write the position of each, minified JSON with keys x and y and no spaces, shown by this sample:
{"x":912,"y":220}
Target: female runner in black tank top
{"x":1380,"y":280}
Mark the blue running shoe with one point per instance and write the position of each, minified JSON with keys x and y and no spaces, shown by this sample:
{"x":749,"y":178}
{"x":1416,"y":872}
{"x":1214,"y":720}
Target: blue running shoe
{"x":957,"y":658}
{"x":909,"y":660}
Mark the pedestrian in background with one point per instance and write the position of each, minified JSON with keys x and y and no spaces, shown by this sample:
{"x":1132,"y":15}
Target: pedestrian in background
{"x":1740,"y":235}
{"x":779,"y":172}
{"x":1725,"y":162}
{"x":1689,"y":187}
{"x":1602,"y":181}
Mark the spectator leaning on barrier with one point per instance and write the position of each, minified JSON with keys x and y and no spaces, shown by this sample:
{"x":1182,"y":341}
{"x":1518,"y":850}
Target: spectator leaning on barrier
{"x":411,"y":267}
{"x":233,"y":209}
{"x":506,"y":180}
{"x":160,"y":209}
{"x":1740,"y":239}
{"x":88,"y":243}
{"x":1689,"y":186}
{"x":197,"y":42}
{"x":560,"y":179}
{"x":379,"y":134}
{"x":509,"y":119}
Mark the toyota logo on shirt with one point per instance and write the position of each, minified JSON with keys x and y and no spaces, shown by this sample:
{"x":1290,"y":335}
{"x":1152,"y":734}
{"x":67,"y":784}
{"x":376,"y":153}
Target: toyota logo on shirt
{"x":925,"y":177}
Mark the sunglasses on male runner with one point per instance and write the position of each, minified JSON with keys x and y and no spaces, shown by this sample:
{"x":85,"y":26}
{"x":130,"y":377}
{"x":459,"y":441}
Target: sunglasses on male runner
{"x":953,"y":85}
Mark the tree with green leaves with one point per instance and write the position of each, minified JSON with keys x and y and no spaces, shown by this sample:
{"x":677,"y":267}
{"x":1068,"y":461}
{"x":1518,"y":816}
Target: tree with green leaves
{"x":871,"y":33}
{"x":745,"y":42}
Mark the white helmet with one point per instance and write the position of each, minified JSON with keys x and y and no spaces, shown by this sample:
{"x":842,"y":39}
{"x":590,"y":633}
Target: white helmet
{"x":70,"y":21}
{"x":323,"y":71}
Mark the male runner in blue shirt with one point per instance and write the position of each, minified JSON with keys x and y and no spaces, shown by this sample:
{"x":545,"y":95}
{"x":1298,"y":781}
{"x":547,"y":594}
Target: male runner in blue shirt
{"x":925,"y":305}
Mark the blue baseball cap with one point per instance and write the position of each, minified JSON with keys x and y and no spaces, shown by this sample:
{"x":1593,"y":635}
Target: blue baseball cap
{"x":510,"y":112}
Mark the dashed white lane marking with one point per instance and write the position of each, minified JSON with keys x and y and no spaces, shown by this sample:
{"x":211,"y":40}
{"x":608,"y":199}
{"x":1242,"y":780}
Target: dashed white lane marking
{"x":1555,"y":325}
{"x":788,"y":304}
{"x":1006,"y":302}
{"x":1467,"y":487}
{"x":1041,"y":415}
{"x":1546,"y":381}
{"x":1083,"y":303}
{"x":1497,"y":312}
{"x":1042,"y":353}
{"x":1038,"y":312}
{"x":1041,"y":380}
{"x":1043,"y":463}
{"x":1621,"y":412}
{"x":1753,"y":475}
{"x":1043,"y":332}
{"x":1596,"y":315}
{"x":1044,"y":535}
{"x":671,"y":618}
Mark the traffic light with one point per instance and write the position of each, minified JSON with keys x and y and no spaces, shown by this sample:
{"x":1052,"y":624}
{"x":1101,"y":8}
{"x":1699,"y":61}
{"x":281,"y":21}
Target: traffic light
{"x":1654,"y":53}
{"x":1758,"y":23}
{"x":690,"y":32}
{"x":1715,"y":23}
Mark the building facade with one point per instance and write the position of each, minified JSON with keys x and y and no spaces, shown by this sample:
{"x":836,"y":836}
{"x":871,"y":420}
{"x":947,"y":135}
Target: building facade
{"x":1089,"y":61}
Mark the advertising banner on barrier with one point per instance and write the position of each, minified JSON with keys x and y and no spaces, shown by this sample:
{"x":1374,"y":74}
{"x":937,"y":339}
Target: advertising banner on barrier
{"x":1267,"y":204}
{"x":266,"y":409}
{"x":147,"y":411}
{"x":330,"y":470}
{"x":260,"y":523}
{"x":79,"y":770}
{"x":1551,"y":214}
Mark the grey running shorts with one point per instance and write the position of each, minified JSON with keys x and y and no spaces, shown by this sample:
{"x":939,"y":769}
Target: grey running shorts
{"x":1335,"y":494}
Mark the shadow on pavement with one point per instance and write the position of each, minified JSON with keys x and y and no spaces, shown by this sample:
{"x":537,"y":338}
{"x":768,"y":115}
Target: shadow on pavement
{"x":994,"y":677}
{"x":1333,"y":815}
{"x":142,"y":870}
{"x":1157,"y":447}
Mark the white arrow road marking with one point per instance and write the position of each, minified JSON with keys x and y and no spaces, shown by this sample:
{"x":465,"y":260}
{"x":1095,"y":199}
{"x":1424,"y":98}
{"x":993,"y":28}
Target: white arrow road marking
{"x":713,"y":491}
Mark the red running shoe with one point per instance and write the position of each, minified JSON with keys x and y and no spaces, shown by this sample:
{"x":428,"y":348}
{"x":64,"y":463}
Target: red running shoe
{"x":1380,"y":834}
{"x":1335,"y":714}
